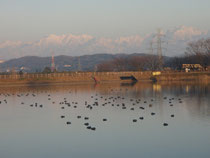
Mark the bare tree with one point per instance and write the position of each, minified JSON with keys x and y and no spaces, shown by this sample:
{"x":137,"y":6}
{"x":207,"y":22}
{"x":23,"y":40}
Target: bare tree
{"x":120,"y":64}
{"x":152,"y":62}
{"x":105,"y":67}
{"x":199,"y":52}
{"x":137,"y":63}
{"x":134,"y":63}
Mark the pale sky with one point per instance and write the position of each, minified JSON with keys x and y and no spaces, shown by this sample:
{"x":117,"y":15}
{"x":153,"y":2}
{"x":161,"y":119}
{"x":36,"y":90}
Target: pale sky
{"x":28,"y":20}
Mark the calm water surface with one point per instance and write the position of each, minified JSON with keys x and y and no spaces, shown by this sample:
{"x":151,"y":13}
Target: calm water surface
{"x":31,"y":123}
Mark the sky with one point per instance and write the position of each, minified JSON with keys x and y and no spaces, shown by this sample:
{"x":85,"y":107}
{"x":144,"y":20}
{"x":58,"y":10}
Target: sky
{"x":30,"y":20}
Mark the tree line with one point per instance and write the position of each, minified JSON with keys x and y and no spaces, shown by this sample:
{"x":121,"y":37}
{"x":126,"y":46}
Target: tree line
{"x":134,"y":63}
{"x":197,"y":52}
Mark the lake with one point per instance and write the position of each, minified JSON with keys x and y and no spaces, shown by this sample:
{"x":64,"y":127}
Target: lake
{"x":118,"y":120}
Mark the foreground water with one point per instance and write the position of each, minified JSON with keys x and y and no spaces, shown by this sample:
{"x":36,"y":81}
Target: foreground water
{"x":108,"y":120}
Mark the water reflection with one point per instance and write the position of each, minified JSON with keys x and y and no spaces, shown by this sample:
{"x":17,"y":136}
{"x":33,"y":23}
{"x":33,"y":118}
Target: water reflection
{"x":105,"y":120}
{"x":128,"y":83}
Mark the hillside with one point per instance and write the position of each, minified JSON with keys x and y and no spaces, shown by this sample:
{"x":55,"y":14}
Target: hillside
{"x":37,"y":64}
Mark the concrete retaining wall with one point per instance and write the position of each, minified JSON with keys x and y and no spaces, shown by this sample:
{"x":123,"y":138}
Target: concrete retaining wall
{"x":183,"y":76}
{"x":72,"y":77}
{"x":101,"y":77}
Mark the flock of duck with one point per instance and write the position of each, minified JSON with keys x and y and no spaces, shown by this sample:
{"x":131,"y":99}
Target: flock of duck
{"x":96,"y":101}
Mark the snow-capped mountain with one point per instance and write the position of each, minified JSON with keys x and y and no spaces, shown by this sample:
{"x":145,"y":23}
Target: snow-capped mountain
{"x":174,"y":43}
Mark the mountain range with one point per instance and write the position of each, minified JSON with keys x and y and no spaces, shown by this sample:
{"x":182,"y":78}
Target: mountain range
{"x":62,"y":62}
{"x":174,"y":43}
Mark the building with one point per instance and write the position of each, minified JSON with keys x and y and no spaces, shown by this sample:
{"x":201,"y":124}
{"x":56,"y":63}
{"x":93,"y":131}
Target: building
{"x":192,"y":67}
{"x":208,"y":68}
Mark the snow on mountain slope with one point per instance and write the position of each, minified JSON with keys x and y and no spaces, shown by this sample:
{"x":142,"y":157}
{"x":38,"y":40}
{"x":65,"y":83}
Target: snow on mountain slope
{"x":174,"y":40}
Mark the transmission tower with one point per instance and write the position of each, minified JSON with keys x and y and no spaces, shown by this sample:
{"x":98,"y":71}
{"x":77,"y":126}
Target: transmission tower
{"x":152,"y":59}
{"x":53,"y":64}
{"x":157,"y":41}
{"x":159,"y":49}
{"x":151,"y":51}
